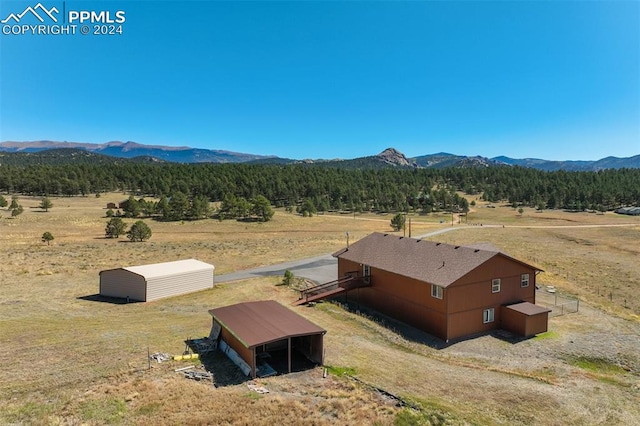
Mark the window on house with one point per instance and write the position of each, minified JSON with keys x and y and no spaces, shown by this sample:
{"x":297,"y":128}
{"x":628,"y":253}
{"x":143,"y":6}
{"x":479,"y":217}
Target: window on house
{"x":524,"y":280}
{"x":495,"y":285}
{"x":488,"y":315}
{"x":366,"y":274}
{"x":436,"y":291}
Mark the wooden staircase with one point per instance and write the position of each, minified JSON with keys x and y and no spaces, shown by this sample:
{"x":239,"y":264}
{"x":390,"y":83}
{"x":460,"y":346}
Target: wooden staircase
{"x":332,"y":288}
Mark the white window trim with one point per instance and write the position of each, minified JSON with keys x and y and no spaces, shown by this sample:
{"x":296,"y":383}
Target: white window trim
{"x":436,"y":291}
{"x":495,"y":285}
{"x":524,"y":280}
{"x":366,"y":274}
{"x":488,"y":315}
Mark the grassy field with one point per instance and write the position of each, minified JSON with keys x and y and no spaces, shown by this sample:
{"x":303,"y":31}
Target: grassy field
{"x":70,"y":360}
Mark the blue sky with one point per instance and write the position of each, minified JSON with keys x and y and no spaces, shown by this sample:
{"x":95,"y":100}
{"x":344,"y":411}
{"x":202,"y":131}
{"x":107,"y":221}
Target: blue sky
{"x":334,"y":79}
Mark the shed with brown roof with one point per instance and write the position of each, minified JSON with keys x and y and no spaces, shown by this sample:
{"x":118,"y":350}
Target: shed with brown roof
{"x":265,"y":332}
{"x":525,"y":319}
{"x":447,"y":290}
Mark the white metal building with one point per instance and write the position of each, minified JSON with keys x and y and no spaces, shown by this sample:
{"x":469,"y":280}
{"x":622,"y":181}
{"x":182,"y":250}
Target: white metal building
{"x":151,"y":282}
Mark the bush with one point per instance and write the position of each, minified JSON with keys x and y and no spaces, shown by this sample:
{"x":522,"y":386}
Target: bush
{"x":288,"y":278}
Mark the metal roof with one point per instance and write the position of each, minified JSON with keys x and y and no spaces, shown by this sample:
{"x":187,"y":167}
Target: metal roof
{"x":169,"y":268}
{"x":528,"y":308}
{"x":635,"y":211}
{"x":262,"y":322}
{"x":427,"y":261}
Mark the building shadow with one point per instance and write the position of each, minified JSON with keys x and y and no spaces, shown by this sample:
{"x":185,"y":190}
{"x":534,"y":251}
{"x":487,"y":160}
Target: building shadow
{"x":416,"y":335}
{"x":224,"y":371}
{"x":406,"y":331}
{"x":507,"y":336}
{"x":106,"y":299}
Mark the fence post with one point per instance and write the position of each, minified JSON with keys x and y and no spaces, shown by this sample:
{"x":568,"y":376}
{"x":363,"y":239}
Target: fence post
{"x":578,"y":305}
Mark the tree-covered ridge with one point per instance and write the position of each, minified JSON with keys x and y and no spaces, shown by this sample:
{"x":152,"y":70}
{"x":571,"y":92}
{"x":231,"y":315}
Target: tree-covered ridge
{"x":61,"y":156}
{"x":329,"y":188}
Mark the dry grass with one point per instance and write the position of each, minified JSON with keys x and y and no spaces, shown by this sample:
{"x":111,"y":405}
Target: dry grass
{"x":70,"y":360}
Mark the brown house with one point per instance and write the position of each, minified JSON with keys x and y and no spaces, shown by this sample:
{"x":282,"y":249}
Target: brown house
{"x":448,"y":291}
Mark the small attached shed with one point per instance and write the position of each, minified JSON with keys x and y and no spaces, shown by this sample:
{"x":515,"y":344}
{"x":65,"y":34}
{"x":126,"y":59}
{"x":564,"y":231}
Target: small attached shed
{"x":265,"y":332}
{"x":525,"y":319}
{"x":151,"y":282}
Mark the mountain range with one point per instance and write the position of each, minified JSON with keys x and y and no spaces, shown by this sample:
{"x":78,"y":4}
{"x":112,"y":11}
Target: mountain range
{"x":388,"y":158}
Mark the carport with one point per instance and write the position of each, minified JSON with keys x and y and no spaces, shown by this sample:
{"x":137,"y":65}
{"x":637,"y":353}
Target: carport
{"x":251,"y":333}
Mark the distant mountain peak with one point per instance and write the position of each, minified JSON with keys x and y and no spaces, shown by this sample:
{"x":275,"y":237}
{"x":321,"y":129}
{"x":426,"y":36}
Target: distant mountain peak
{"x":390,"y":157}
{"x":394,"y":157}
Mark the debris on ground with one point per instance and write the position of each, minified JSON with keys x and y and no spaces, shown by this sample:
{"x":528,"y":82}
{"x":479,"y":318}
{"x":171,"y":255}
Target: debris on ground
{"x":256,"y":388}
{"x":160,"y":357}
{"x":202,"y":345}
{"x":184,"y":368}
{"x":197,"y":375}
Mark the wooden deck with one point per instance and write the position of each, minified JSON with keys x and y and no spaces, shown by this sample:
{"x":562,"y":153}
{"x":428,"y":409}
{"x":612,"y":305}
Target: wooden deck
{"x":332,"y":288}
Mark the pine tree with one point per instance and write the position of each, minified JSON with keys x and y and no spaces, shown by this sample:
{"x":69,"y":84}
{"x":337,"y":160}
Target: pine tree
{"x":115,"y":227}
{"x":45,"y":204}
{"x":47,"y":237}
{"x":398,"y":221}
{"x":139,"y":231}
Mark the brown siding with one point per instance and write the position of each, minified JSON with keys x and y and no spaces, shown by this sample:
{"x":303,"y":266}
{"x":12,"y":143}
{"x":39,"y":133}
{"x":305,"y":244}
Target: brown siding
{"x":245,"y":353}
{"x":474,"y":289}
{"x":345,"y":267}
{"x":469,"y":322}
{"x":537,"y":324}
{"x":405,"y":299}
{"x":471,"y":295}
{"x":515,"y":322}
{"x":460,"y":312}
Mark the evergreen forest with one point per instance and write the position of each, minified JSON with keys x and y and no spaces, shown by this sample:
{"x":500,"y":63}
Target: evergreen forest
{"x":320,"y":188}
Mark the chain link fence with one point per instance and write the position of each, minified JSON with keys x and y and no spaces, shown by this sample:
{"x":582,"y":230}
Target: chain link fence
{"x":559,"y":304}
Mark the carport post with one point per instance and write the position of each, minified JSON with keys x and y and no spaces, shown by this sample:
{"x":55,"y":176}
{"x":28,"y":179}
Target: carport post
{"x":289,"y":350}
{"x":253,"y":365}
